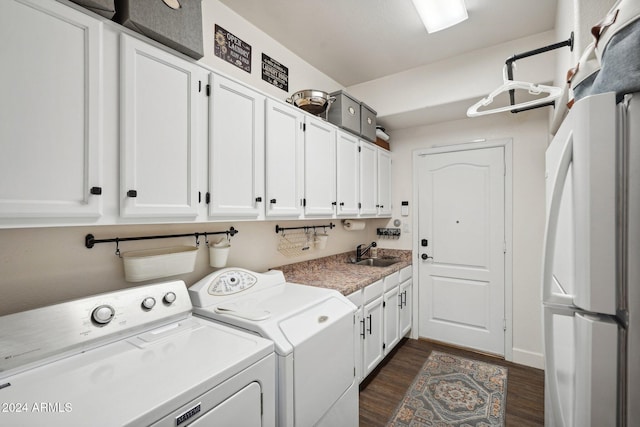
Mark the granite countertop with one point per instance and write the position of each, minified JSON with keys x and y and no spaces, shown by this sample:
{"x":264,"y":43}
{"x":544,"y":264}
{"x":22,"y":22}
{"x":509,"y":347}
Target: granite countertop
{"x":336,"y":272}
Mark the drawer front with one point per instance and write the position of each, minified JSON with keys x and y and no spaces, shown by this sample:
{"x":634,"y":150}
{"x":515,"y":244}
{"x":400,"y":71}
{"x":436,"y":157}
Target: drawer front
{"x":373,"y":291}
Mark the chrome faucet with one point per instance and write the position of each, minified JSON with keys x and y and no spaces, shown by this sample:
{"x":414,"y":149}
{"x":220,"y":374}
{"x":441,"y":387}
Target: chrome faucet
{"x":362,"y":252}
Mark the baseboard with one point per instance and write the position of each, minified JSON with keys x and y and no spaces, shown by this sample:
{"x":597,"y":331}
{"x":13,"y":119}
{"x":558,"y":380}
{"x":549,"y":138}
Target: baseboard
{"x":528,"y":358}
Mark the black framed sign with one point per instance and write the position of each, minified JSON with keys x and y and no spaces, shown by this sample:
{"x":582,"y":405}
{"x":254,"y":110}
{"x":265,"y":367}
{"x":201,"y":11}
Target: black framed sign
{"x":232,"y":49}
{"x":275,"y":73}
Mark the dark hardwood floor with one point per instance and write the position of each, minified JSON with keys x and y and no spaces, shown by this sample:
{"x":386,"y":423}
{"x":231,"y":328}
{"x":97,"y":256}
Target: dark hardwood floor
{"x":383,"y":390}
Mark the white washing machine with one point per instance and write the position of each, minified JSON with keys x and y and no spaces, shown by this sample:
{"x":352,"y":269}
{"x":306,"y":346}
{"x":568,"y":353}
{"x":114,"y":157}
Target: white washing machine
{"x":312,"y":329}
{"x":135,"y":357}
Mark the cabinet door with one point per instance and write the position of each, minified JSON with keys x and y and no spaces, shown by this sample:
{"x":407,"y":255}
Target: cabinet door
{"x":374,"y":334}
{"x":319,"y":168}
{"x":384,"y":182}
{"x":405,"y":307}
{"x":236,"y":150}
{"x":50,"y":112}
{"x":368,"y":179}
{"x":160,"y":111}
{"x":391,"y":307}
{"x":347,"y":147}
{"x":284,"y":152}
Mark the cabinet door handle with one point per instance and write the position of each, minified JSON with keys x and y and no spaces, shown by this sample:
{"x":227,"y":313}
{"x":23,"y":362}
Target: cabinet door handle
{"x":400,"y":298}
{"x":258,"y":199}
{"x":132,"y":193}
{"x":96,"y":191}
{"x":362,"y":334}
{"x":341,"y":203}
{"x":370,"y":325}
{"x":272,"y":201}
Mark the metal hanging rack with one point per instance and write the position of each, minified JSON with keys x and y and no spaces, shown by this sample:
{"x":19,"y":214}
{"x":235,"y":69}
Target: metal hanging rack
{"x":90,"y":240}
{"x":510,"y":61}
{"x":306,"y":228}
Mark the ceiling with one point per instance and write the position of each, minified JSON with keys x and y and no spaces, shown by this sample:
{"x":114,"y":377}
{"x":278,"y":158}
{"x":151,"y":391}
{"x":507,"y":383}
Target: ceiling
{"x":354,"y":41}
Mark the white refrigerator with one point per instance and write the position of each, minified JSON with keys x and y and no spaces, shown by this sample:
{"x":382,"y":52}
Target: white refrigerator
{"x":591,"y":266}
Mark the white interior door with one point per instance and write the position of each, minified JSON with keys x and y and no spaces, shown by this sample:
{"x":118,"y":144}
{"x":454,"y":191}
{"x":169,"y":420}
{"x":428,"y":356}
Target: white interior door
{"x":461,"y":202}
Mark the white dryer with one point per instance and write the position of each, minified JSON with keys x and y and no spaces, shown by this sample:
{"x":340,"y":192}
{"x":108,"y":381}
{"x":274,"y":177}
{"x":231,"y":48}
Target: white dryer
{"x":135,"y":357}
{"x":313,"y":330}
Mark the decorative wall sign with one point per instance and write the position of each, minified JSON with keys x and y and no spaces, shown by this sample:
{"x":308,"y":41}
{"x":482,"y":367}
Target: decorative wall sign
{"x":232,"y":49}
{"x":275,"y":73}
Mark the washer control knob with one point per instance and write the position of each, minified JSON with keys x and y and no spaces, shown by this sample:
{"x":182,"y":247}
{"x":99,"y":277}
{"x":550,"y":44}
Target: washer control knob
{"x":169,"y":297}
{"x":103,"y":314}
{"x":148,"y":303}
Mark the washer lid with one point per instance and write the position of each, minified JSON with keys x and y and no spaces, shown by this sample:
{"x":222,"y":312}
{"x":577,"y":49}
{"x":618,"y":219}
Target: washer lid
{"x":134,"y":381}
{"x":262,"y":312}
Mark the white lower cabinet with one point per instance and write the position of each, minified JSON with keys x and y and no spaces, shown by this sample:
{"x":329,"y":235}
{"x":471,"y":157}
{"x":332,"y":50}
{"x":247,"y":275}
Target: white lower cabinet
{"x":373,"y":322}
{"x":382,"y":319}
{"x":391,"y":312}
{"x":405,"y":301}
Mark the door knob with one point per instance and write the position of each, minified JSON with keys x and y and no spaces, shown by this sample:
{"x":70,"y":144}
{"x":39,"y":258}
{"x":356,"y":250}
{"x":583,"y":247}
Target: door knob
{"x":425,"y":256}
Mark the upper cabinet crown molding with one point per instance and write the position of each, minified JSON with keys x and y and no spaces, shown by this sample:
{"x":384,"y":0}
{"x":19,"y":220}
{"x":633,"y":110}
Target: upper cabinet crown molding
{"x":51,"y":109}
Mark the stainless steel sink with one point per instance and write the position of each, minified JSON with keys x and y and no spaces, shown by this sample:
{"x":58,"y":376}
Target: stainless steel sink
{"x":378,"y":262}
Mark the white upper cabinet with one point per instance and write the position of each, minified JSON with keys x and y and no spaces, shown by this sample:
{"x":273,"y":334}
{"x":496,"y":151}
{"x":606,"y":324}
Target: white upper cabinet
{"x":236,"y":150}
{"x":50,"y":114}
{"x":384,"y":182}
{"x":368,"y":179}
{"x":319,"y":168}
{"x":347,"y":165}
{"x":284,"y":146}
{"x":161,"y":108}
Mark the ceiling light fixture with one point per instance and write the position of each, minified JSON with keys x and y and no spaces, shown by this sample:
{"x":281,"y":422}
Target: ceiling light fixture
{"x":440,"y":14}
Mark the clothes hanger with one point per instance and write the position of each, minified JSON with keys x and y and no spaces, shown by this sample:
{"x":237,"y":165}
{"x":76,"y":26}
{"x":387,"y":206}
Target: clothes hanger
{"x":507,"y":85}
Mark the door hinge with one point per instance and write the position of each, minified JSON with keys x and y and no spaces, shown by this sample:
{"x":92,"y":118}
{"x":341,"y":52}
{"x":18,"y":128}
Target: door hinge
{"x":208,"y":90}
{"x":304,"y":202}
{"x":384,"y":304}
{"x":384,"y":346}
{"x":359,"y":149}
{"x":359,"y":205}
{"x":304,"y":127}
{"x":504,"y":324}
{"x":207,"y":198}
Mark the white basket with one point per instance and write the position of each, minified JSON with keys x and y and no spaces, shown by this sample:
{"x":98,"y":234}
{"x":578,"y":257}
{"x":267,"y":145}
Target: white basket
{"x":155,"y":263}
{"x":295,"y":243}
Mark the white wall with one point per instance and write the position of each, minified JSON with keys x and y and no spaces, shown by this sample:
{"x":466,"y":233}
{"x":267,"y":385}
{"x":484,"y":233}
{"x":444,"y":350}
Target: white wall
{"x":529,"y":133}
{"x":301,"y":74}
{"x":467,"y":77}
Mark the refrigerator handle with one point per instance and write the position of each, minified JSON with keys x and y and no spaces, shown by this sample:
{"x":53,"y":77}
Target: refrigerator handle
{"x":560,"y":177}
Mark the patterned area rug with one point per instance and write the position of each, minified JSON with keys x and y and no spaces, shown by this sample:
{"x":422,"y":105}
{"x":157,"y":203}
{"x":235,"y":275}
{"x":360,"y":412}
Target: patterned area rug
{"x":454,"y":391}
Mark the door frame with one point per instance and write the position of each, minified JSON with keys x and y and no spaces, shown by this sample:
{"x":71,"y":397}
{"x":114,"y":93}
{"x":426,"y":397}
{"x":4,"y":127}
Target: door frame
{"x":507,"y":144}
